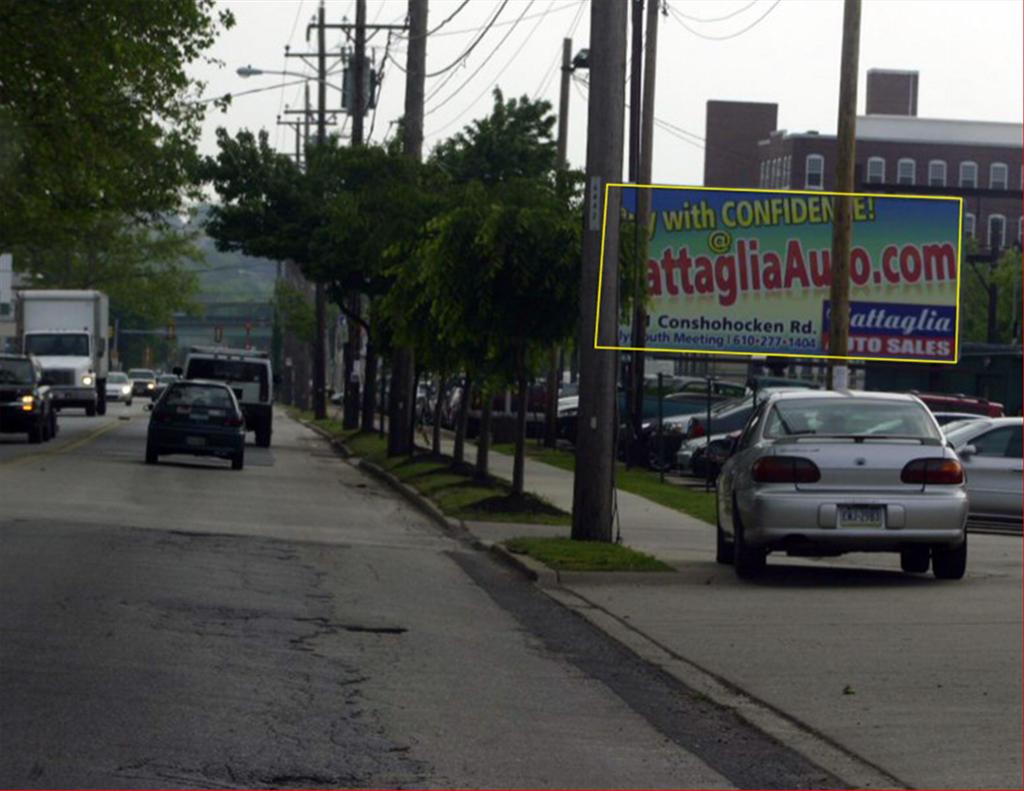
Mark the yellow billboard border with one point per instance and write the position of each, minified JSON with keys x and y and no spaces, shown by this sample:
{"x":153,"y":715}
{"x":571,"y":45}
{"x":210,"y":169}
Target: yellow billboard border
{"x":600,"y":274}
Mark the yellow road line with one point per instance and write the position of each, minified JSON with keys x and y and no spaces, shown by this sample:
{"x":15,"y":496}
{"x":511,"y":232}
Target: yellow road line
{"x":78,"y":443}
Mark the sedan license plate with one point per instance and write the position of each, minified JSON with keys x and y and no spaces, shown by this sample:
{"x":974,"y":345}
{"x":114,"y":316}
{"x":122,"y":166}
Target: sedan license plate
{"x":861,"y":516}
{"x":195,"y":442}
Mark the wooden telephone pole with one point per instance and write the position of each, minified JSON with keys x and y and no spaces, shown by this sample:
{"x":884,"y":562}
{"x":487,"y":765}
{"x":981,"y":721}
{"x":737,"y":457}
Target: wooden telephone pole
{"x":842,"y":224}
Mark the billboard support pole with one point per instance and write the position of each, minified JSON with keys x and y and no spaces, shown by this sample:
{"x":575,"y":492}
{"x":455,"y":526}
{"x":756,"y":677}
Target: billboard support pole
{"x":839,"y":296}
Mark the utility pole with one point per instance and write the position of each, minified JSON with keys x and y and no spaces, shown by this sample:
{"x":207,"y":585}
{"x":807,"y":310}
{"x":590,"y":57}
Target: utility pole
{"x":595,"y":460}
{"x":400,"y":406}
{"x":319,"y":345}
{"x":554,"y":369}
{"x":634,"y":383}
{"x":842,"y":224}
{"x":351,"y":411}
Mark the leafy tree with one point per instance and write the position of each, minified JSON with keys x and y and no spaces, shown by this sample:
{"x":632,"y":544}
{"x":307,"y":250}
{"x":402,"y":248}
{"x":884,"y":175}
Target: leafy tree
{"x":980,"y":281}
{"x":98,"y":124}
{"x":504,"y":259}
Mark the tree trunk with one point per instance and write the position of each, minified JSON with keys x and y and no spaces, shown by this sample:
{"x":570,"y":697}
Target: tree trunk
{"x":369,"y":386}
{"x":459,"y":452}
{"x":383,"y":394}
{"x":350,"y":410}
{"x":438,"y":405}
{"x":524,"y":403}
{"x":551,"y":413}
{"x":415,"y":416}
{"x":483,"y":442}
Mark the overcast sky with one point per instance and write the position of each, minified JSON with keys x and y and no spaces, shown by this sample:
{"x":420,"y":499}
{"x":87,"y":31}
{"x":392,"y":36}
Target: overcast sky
{"x":968,"y":53}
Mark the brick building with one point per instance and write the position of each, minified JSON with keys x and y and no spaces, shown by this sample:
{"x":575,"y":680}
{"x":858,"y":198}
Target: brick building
{"x":980,"y":161}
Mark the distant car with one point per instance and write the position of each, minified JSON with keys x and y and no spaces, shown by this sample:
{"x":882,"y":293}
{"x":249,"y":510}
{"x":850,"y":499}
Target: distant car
{"x":990,"y":449}
{"x":691,"y":457}
{"x":143,"y":382}
{"x":823,"y":473}
{"x":198,"y":418}
{"x":26,"y":403}
{"x":119,"y":387}
{"x":162,"y":381}
{"x":958,"y":402}
{"x":942,"y":418}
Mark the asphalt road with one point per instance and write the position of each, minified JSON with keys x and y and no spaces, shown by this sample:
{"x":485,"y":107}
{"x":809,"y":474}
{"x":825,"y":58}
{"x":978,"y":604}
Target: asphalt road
{"x":294,"y":625}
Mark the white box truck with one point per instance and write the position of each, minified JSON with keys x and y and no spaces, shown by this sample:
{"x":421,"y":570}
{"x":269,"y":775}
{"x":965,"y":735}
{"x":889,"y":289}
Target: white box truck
{"x":67,"y":332}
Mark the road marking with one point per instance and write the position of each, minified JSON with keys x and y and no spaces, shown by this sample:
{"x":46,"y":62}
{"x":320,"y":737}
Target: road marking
{"x":78,"y":443}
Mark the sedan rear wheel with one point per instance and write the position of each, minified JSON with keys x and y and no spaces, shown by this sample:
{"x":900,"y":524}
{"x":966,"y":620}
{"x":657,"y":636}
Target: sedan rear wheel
{"x":724,"y":548}
{"x":238,"y":460}
{"x":747,"y":560}
{"x":915,"y":560}
{"x":950,"y":563}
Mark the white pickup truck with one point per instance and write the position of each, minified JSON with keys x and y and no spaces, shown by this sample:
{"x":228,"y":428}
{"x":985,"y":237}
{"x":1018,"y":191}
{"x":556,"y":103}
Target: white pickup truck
{"x":67,"y":331}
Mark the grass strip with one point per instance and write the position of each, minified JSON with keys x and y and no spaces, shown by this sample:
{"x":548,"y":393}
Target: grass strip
{"x":643,"y":483}
{"x":453,"y":489}
{"x":564,"y":554}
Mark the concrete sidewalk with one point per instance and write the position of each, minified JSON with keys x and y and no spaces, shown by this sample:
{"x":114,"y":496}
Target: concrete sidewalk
{"x":848,"y":660}
{"x":671,"y":536}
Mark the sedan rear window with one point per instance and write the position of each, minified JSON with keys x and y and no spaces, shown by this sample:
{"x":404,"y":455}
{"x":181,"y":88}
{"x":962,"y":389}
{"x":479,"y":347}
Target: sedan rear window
{"x":198,"y":396}
{"x":843,"y":417}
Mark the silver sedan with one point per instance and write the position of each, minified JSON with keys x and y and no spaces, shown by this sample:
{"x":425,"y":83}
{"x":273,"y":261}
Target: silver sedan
{"x":823,"y":473}
{"x":990,"y":449}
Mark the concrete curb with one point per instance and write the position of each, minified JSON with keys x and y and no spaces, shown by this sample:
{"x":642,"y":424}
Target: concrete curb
{"x":533,"y":570}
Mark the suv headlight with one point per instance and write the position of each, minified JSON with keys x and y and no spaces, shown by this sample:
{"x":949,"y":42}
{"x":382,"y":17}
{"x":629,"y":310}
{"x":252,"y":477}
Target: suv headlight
{"x":87,"y":380}
{"x":151,"y":385}
{"x":126,"y":389}
{"x":27,"y":403}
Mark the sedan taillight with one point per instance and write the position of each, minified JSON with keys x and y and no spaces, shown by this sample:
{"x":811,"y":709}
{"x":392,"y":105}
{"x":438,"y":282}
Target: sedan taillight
{"x":933,"y":471}
{"x":234,"y":422}
{"x":785,"y":469}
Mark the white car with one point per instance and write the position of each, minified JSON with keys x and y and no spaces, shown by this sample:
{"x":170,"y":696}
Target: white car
{"x":990,"y":449}
{"x":119,"y":387}
{"x":823,"y":473}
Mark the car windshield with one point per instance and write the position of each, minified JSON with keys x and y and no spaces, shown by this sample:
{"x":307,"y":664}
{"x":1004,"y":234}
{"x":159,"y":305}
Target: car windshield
{"x":15,"y":372}
{"x":194,"y":395}
{"x":141,"y":373}
{"x":841,"y":417}
{"x":167,"y":379}
{"x":57,"y":345}
{"x":236,"y":371}
{"x":116,"y":377}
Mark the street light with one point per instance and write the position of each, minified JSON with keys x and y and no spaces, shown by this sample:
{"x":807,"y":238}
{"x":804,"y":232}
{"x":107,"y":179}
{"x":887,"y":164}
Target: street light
{"x":252,"y":71}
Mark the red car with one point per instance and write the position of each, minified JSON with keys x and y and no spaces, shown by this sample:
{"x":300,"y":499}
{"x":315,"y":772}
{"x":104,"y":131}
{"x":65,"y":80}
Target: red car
{"x":942,"y":402}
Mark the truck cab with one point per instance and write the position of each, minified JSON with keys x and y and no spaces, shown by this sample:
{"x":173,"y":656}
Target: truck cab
{"x":66,"y":331}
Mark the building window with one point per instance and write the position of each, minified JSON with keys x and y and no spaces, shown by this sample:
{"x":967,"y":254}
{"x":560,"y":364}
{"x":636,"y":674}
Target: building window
{"x":998,"y":176}
{"x":969,"y":174}
{"x":937,"y":173}
{"x":876,"y":170}
{"x":764,"y":169}
{"x":906,"y":171}
{"x":787,"y":170}
{"x":996,"y":231}
{"x":968,"y":224}
{"x":815,"y":178}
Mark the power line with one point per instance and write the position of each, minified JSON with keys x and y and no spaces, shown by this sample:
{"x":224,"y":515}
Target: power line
{"x":573,"y":4}
{"x":280,"y":104}
{"x":486,"y":60}
{"x":697,"y":33}
{"x":380,"y":82}
{"x":542,"y":87}
{"x":730,"y":15}
{"x":500,"y":72}
{"x":471,"y":47}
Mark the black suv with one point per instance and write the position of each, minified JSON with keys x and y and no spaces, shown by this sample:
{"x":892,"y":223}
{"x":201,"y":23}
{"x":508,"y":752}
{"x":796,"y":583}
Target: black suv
{"x":25,"y":402}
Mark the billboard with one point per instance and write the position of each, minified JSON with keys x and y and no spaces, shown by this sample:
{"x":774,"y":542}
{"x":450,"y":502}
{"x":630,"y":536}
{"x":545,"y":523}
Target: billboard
{"x":749,"y":272}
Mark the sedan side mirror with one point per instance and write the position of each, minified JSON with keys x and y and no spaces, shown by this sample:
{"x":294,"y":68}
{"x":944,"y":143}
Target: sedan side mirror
{"x":967,"y":451}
